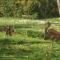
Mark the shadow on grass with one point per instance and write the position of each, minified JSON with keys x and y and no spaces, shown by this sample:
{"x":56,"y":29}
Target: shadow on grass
{"x":6,"y":41}
{"x":23,"y":41}
{"x":7,"y":49}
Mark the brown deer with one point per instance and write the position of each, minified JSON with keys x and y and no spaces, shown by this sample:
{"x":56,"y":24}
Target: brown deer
{"x":51,"y":33}
{"x":9,"y":30}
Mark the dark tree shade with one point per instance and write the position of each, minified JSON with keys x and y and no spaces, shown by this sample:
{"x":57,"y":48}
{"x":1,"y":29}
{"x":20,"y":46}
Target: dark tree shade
{"x":36,"y":8}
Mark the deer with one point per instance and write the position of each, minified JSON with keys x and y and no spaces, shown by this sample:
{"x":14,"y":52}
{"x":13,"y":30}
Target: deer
{"x":51,"y":33}
{"x":8,"y":30}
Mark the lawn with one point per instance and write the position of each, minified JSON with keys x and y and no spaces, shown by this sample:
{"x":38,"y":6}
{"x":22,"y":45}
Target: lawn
{"x":30,"y":43}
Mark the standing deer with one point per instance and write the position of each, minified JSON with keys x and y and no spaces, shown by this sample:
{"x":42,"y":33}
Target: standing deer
{"x":51,"y":33}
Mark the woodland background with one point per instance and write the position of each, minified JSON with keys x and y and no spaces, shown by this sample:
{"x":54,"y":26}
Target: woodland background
{"x":36,"y":9}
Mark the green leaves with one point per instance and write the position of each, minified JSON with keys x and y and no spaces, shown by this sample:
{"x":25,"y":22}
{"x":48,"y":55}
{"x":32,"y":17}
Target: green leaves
{"x":35,"y":8}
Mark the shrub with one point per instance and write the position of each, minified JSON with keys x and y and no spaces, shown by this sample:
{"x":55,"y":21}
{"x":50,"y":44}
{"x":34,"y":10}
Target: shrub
{"x":34,"y":34}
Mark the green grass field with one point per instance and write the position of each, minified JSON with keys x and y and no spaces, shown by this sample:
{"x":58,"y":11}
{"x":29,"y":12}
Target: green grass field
{"x":30,"y":44}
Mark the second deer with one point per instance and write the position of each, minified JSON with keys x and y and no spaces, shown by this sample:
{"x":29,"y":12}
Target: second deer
{"x":51,"y":33}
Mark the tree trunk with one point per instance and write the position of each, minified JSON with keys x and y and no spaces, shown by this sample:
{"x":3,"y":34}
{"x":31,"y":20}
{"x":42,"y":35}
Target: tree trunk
{"x":58,"y":3}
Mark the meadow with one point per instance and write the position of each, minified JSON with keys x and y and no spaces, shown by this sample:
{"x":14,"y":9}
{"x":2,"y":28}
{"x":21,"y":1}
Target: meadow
{"x":29,"y":44}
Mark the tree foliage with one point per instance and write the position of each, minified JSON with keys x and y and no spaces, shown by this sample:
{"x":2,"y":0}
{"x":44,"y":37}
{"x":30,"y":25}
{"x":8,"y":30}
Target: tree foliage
{"x":35,"y":8}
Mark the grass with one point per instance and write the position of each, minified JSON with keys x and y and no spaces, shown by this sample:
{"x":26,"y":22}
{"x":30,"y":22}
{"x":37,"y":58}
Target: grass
{"x":24,"y":47}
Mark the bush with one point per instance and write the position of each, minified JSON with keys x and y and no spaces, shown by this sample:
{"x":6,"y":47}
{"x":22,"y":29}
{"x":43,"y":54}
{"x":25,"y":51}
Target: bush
{"x":34,"y":34}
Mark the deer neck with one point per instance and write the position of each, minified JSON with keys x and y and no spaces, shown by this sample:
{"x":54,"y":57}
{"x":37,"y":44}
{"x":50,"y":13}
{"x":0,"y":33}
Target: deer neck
{"x":46,"y":29}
